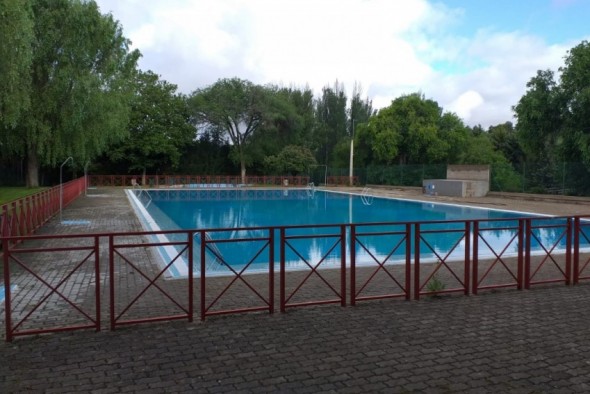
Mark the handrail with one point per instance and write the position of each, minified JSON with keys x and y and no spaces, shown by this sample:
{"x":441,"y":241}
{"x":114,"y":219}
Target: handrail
{"x":366,"y":198}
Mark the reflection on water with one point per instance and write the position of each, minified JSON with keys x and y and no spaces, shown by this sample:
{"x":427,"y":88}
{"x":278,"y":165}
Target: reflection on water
{"x":233,"y":209}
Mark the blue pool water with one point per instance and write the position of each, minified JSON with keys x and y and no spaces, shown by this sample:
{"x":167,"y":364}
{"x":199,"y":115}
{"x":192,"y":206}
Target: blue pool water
{"x":232,"y":209}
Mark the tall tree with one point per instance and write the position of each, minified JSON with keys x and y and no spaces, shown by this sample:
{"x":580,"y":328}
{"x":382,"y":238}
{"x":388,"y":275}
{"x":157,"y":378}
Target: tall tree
{"x":575,"y":90}
{"x":235,"y":106}
{"x":505,"y":140}
{"x":539,"y":114}
{"x":332,"y":121}
{"x":80,"y":78}
{"x":16,"y":56}
{"x":408,"y":131}
{"x":159,"y":127}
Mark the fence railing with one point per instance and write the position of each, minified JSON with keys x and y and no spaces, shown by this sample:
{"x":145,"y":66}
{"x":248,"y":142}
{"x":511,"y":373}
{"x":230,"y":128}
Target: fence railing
{"x":23,"y":216}
{"x":236,"y":267}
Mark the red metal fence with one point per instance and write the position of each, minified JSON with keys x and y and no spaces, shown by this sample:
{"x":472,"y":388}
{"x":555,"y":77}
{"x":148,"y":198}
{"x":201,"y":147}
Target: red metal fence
{"x":423,"y":259}
{"x":58,"y":275}
{"x":23,"y":216}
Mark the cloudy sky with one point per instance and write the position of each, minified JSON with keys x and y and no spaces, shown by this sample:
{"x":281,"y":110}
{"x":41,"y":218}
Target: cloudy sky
{"x":474,"y":57}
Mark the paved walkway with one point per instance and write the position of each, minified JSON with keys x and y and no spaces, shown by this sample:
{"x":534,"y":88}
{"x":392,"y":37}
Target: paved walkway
{"x":510,"y":341}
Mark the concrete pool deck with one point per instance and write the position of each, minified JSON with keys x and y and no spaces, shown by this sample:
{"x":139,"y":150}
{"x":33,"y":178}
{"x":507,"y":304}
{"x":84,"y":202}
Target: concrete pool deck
{"x":512,"y":341}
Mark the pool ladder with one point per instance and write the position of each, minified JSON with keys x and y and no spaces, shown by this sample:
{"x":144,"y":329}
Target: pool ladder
{"x":310,"y":189}
{"x":214,"y":250}
{"x":366,"y":198}
{"x":143,"y":191}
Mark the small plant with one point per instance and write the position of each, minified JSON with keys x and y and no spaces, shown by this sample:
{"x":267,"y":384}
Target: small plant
{"x":435,"y":285}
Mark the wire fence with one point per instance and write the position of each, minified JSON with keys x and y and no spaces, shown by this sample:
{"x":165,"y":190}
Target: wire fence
{"x":542,"y":178}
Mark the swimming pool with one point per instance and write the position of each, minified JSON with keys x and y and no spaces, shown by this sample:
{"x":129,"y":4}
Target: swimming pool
{"x":236,"y":209}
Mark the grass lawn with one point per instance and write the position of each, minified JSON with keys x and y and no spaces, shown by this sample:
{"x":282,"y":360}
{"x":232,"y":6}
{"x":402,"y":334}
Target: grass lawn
{"x":12,"y":193}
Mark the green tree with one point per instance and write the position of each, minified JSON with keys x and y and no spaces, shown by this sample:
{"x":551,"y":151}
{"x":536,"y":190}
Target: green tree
{"x":292,"y":160}
{"x":539,"y":114}
{"x":159,"y":127}
{"x":80,"y":78}
{"x":287,"y":120}
{"x":408,"y":132}
{"x":505,"y":140}
{"x":234,"y":106}
{"x":332,"y":123}
{"x":16,"y":56}
{"x":575,"y":104}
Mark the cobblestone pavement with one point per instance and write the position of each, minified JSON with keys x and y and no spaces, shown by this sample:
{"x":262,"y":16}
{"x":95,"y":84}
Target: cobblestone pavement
{"x":509,"y":341}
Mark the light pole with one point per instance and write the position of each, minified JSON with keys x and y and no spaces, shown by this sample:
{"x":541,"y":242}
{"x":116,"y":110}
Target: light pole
{"x":61,"y":187}
{"x":86,"y":177}
{"x":350,"y":170}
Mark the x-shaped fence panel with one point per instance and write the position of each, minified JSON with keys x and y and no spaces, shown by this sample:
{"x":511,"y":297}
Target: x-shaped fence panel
{"x":498,"y":251}
{"x":58,"y":287}
{"x":380,"y":261}
{"x":447,"y":265}
{"x":236,"y":269}
{"x":581,"y":249}
{"x":321,"y":251}
{"x":545,"y":261}
{"x":138,"y":267}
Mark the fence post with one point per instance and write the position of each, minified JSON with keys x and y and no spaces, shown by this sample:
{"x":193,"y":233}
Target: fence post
{"x":7,"y":301}
{"x":343,"y":265}
{"x":112,"y":281}
{"x":353,"y":264}
{"x":466,"y":277}
{"x":408,"y":261}
{"x":417,"y":261}
{"x":97,"y":279}
{"x":527,"y":254}
{"x":475,"y":279}
{"x":282,"y":268}
{"x":521,"y":248}
{"x":191,"y":283}
{"x":271,"y":279}
{"x":203,"y":269}
{"x":576,"y":250}
{"x":568,"y":253}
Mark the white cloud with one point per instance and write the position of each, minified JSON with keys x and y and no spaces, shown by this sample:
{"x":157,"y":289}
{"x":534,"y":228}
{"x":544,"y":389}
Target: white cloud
{"x":389,"y":47}
{"x":466,"y":103}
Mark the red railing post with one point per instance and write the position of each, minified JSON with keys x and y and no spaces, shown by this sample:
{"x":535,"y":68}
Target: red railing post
{"x":408,"y":260}
{"x":474,"y":278}
{"x":271,"y":279}
{"x":97,"y":280}
{"x":7,"y":299}
{"x":568,"y":253}
{"x":417,"y":261}
{"x":112,"y":281}
{"x":282,"y":273}
{"x":343,"y":265}
{"x":353,"y":264}
{"x":191,"y":276}
{"x":466,"y":275}
{"x":521,"y":248}
{"x":203,"y":269}
{"x":527,"y":253}
{"x":576,"y":250}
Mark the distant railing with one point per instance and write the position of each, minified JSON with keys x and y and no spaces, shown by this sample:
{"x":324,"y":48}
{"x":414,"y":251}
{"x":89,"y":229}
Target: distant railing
{"x":202,"y":181}
{"x":23,"y":216}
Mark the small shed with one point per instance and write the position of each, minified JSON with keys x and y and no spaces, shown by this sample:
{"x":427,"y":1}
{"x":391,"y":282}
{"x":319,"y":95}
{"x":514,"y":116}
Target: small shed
{"x":462,"y":181}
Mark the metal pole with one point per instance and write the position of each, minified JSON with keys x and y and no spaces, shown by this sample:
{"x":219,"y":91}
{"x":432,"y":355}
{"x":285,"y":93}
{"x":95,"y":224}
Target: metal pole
{"x":351,"y":170}
{"x":86,"y":178}
{"x":61,"y":186}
